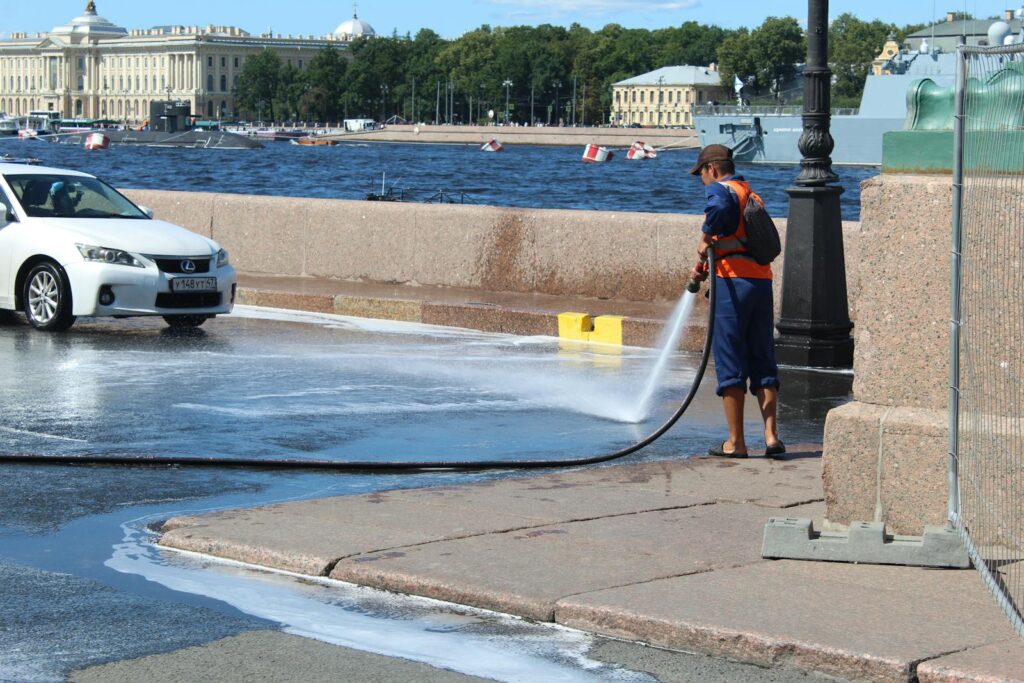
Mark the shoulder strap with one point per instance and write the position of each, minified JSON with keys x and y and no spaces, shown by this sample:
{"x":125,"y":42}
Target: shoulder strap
{"x":732,"y":243}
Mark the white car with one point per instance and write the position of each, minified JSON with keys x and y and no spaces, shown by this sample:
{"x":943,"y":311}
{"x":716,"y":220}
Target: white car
{"x":71,"y":245}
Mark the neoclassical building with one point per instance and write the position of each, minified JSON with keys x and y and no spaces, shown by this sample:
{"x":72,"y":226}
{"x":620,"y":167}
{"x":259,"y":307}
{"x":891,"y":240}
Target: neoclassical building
{"x":665,"y":96}
{"x":92,"y":68}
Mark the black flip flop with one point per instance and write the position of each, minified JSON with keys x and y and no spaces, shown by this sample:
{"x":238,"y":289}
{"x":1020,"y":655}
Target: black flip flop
{"x":720,"y":452}
{"x":775,"y":450}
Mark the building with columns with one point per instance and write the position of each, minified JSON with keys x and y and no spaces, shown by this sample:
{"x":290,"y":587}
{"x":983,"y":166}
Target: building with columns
{"x":664,"y":97}
{"x":93,"y":68}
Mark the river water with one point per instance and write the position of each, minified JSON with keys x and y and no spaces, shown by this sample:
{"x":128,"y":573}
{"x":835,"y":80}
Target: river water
{"x":523,"y":176}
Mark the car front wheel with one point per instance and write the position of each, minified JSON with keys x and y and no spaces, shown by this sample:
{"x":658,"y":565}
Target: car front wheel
{"x":185,"y":322}
{"x":46,"y":298}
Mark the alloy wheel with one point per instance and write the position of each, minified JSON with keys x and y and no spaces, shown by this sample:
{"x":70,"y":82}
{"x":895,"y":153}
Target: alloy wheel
{"x":43,"y":296}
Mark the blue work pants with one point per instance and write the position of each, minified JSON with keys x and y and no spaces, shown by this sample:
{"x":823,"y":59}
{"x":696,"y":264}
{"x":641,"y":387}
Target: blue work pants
{"x":744,"y":340}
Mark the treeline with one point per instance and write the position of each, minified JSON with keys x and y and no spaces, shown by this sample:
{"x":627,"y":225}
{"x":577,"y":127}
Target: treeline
{"x":546,"y":74}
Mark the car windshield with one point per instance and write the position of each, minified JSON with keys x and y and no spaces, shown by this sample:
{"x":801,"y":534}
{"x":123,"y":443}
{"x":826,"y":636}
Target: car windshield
{"x":70,"y":196}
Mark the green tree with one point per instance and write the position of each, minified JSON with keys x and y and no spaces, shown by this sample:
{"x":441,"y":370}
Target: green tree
{"x":691,"y":43}
{"x":422,"y":66}
{"x":469,"y":64}
{"x":290,"y":88}
{"x":258,"y":83}
{"x":736,"y":59}
{"x":325,"y":76}
{"x":778,"y":45}
{"x":853,"y":44}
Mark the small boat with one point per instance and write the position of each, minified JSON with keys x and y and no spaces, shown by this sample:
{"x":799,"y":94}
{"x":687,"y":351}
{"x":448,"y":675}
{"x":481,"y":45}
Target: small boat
{"x":278,"y":134}
{"x":316,"y":142}
{"x":8,"y":125}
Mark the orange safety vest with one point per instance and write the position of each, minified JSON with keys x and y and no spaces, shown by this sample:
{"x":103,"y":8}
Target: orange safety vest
{"x":731,"y":257}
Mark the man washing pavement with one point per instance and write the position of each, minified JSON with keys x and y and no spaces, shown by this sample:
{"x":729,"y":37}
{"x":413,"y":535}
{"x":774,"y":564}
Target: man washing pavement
{"x":743,"y":343}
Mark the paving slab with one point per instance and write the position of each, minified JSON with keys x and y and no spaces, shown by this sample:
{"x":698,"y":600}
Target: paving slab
{"x":854,"y":621}
{"x":268,"y":657}
{"x":310,"y":536}
{"x":525,"y":572}
{"x":997,"y":663}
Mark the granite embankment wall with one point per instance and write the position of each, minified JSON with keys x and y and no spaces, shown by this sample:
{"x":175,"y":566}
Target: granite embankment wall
{"x":610,"y":255}
{"x":477,"y":135}
{"x":885,"y":452}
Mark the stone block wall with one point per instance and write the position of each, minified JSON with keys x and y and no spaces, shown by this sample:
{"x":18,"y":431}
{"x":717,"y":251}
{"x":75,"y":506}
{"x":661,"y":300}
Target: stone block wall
{"x":885,"y":453}
{"x":611,"y":255}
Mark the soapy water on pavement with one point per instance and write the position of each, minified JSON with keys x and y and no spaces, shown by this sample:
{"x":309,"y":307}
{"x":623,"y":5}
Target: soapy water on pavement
{"x":471,"y":641}
{"x":483,"y":372}
{"x":309,"y":385}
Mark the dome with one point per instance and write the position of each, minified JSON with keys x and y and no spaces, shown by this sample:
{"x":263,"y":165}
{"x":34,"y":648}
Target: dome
{"x":90,"y":24}
{"x":998,"y":32}
{"x":354,"y":27}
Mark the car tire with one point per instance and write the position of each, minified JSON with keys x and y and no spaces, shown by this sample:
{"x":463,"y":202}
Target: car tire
{"x":46,"y":298}
{"x":185,"y":322}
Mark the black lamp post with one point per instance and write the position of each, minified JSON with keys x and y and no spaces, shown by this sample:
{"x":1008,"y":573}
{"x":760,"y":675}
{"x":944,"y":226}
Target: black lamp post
{"x":814,"y":325}
{"x":558,"y":114}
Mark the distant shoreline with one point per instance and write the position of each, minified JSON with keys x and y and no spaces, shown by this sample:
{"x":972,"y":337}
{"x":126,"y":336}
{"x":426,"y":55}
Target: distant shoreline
{"x":681,"y":138}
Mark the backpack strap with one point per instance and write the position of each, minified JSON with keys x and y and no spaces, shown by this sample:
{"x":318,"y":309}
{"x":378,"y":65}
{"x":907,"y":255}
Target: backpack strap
{"x":732,"y":243}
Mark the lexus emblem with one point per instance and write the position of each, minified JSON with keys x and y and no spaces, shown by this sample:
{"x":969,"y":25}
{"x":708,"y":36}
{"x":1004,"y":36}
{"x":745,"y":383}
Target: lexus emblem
{"x":188,"y":266}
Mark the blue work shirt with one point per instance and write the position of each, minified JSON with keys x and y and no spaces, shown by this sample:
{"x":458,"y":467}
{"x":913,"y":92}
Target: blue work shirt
{"x":722,"y":212}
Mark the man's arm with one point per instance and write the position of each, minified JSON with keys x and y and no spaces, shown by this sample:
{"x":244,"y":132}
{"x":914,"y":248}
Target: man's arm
{"x":721,"y":218}
{"x":722,"y":211}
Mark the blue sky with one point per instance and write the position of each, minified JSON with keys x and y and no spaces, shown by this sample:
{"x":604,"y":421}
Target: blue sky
{"x":451,"y":18}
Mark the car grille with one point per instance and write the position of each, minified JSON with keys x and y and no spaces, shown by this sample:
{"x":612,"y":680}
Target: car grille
{"x":173,"y":265}
{"x":188,"y":300}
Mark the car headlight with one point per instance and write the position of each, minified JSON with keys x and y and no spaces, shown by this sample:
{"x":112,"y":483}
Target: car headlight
{"x":222,"y":258}
{"x":112,"y":256}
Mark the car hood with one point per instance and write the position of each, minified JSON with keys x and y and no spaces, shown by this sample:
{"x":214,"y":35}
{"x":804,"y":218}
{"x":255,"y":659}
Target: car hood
{"x":137,"y":236}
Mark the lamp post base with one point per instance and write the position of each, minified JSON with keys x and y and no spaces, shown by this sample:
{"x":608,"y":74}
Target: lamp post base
{"x":814,"y":324}
{"x":814,"y":353}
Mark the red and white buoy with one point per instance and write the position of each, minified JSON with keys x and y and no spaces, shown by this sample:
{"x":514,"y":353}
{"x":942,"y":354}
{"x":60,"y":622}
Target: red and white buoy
{"x":492,"y":145}
{"x":27,"y":134}
{"x":97,"y":141}
{"x":641,"y":150}
{"x":594,"y":154}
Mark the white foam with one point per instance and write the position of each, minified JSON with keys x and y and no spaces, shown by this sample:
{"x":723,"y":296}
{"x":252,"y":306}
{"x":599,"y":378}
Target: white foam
{"x":354,"y":323}
{"x":373,"y":621}
{"x":41,"y":435}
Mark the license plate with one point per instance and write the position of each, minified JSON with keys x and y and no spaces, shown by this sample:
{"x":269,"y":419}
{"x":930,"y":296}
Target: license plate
{"x":194,"y":284}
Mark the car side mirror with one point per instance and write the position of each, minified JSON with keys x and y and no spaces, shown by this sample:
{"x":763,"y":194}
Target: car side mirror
{"x":146,"y":210}
{"x":10,"y":217}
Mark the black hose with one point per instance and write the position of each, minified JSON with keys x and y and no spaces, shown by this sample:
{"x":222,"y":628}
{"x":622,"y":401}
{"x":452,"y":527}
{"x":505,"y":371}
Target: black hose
{"x":395,"y":466}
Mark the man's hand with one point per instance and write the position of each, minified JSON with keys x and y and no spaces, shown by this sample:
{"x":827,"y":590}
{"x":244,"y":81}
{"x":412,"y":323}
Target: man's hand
{"x":699,"y":272}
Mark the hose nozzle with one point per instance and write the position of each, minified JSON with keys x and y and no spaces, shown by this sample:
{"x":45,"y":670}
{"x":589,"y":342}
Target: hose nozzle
{"x":692,"y":286}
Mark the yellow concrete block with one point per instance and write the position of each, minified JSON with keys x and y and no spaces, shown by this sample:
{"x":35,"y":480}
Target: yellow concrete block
{"x":607,"y":330}
{"x":574,"y":326}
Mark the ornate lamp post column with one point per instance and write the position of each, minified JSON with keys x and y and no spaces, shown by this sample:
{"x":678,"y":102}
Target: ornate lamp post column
{"x":814,"y":326}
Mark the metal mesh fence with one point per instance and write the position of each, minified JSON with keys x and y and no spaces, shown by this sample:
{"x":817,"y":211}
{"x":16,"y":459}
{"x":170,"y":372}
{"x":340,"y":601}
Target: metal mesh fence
{"x":987,"y":442}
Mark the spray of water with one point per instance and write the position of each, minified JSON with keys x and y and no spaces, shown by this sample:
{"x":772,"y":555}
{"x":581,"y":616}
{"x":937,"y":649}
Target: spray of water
{"x":464,"y":371}
{"x":668,"y":342}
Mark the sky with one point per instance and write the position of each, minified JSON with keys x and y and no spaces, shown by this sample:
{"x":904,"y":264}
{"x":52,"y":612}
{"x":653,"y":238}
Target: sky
{"x":452,"y":18}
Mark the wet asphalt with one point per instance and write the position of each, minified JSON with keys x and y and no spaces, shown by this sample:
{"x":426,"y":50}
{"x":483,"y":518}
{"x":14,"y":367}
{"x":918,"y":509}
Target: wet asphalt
{"x":63,"y":608}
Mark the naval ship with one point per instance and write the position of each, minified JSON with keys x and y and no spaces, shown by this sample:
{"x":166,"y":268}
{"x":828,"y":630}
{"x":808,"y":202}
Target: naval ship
{"x":769,"y":134}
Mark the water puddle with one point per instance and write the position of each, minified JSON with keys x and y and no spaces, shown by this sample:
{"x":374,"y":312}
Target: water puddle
{"x":467,"y":640}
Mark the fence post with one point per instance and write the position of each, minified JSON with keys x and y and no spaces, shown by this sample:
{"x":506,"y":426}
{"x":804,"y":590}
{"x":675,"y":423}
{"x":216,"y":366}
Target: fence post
{"x":954,"y":322}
